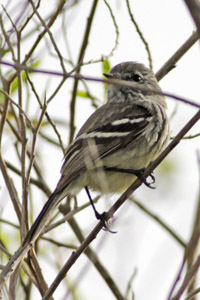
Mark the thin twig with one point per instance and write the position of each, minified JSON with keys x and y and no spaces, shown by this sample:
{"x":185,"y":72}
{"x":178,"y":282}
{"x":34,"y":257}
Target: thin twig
{"x":39,"y":183}
{"x":29,"y":17}
{"x":9,"y":223}
{"x":129,"y":285}
{"x":92,"y":256}
{"x":41,"y":35}
{"x":68,"y":216}
{"x":194,"y":8}
{"x":6,"y":84}
{"x":35,"y":134}
{"x":80,"y":60}
{"x":24,"y":217}
{"x":192,"y":248}
{"x":113,"y":81}
{"x":188,"y":277}
{"x":116,"y":31}
{"x":192,"y":294}
{"x":11,"y":188}
{"x":59,"y":244}
{"x":36,"y":270}
{"x":46,"y":27}
{"x":46,"y":113}
{"x":140,"y":34}
{"x":6,"y":87}
{"x":7,"y":39}
{"x":29,"y":123}
{"x":75,"y":255}
{"x":178,"y":277}
{"x":189,"y":137}
{"x":61,"y":3}
{"x":171,"y":62}
{"x":159,"y":221}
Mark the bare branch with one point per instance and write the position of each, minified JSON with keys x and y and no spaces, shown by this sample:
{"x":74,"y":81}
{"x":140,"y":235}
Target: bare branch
{"x":116,"y":30}
{"x":11,"y":189}
{"x":140,"y":35}
{"x":194,"y":8}
{"x":171,"y":63}
{"x":80,"y":60}
{"x":113,"y":81}
{"x":50,"y":35}
{"x":161,"y":222}
{"x":75,"y":255}
{"x":189,"y":276}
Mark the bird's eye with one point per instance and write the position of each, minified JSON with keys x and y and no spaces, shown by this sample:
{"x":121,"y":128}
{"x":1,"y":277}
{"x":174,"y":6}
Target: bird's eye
{"x":136,"y":78}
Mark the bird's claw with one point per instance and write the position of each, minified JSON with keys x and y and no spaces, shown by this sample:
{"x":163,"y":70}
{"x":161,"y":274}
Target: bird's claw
{"x":140,"y":175}
{"x":104,"y":220}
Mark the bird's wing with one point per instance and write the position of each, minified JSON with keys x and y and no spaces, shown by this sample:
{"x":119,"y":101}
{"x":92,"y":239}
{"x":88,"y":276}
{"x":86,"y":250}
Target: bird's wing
{"x":110,"y":128}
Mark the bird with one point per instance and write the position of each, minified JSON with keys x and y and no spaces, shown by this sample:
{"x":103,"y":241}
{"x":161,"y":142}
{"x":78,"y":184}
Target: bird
{"x":116,"y":143}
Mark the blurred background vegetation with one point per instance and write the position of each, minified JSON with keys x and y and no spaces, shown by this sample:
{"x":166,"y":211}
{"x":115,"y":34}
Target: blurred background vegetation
{"x":43,"y":43}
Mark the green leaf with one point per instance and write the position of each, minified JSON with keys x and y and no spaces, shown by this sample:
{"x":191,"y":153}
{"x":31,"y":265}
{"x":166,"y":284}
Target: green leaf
{"x":86,"y":95}
{"x":106,"y":66}
{"x":3,"y":52}
{"x":82,"y":94}
{"x":106,"y":69}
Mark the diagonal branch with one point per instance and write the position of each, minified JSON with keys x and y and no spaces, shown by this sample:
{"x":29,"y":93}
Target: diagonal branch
{"x":75,"y":255}
{"x":113,"y":81}
{"x":171,"y":62}
{"x":194,"y":8}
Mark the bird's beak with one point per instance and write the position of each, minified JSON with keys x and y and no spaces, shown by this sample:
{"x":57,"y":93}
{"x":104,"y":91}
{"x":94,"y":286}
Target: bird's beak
{"x":108,"y":75}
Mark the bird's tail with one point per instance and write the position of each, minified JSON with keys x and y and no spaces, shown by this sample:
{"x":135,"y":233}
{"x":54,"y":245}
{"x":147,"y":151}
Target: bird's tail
{"x":43,"y":218}
{"x":31,"y":236}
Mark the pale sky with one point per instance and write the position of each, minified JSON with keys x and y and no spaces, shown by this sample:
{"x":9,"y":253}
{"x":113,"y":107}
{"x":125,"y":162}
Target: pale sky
{"x":139,"y":243}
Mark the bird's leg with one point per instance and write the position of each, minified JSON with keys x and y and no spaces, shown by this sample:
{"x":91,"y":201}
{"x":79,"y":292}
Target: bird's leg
{"x":101,"y":217}
{"x":97,"y":214}
{"x":139,"y":173}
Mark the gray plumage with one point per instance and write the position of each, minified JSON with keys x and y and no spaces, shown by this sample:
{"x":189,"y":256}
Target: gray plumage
{"x":128,"y":132}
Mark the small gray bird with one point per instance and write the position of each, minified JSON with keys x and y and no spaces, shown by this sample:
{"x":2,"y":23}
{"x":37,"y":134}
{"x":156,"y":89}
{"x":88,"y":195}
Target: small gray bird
{"x":119,"y":140}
